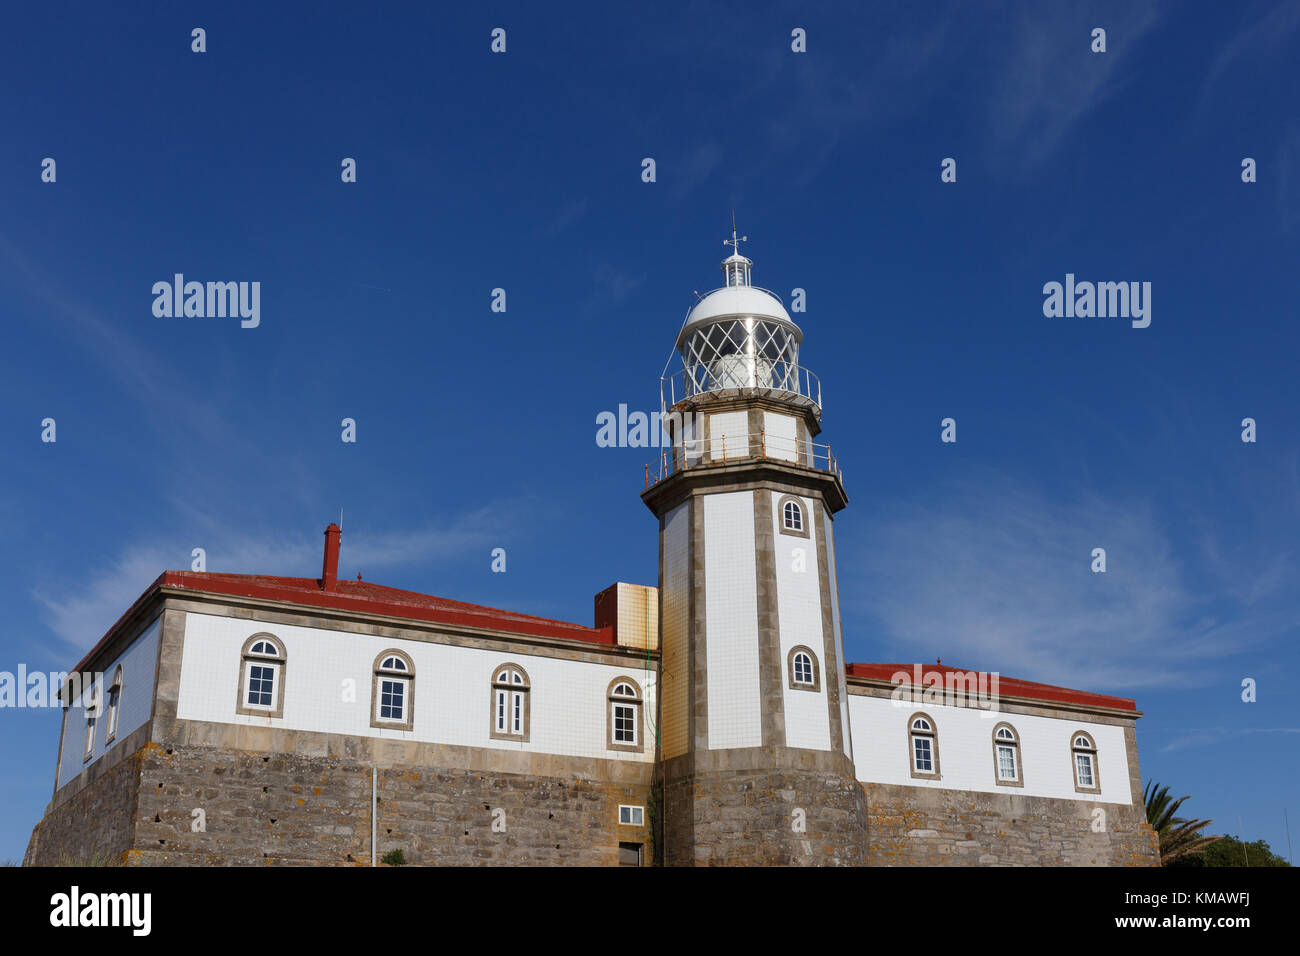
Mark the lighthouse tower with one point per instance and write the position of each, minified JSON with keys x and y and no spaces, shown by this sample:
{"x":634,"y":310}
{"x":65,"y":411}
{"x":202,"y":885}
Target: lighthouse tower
{"x":754,"y":728}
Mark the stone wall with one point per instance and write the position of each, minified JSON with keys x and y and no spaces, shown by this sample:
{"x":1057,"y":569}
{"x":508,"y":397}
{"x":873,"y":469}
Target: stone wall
{"x":916,"y":826}
{"x":747,"y":818}
{"x":93,"y":822}
{"x":289,"y":808}
{"x":265,"y":808}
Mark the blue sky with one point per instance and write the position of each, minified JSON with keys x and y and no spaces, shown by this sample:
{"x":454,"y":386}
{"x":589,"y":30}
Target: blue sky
{"x":522,"y":171}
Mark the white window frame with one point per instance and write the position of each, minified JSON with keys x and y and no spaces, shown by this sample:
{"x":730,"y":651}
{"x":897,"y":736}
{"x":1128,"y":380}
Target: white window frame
{"x":634,"y":817}
{"x":1083,"y":744}
{"x":401,"y":696}
{"x":396,"y":668}
{"x":90,"y":732}
{"x":1006,"y":739}
{"x":629,"y":708}
{"x":928,"y":733}
{"x":274,"y":667}
{"x":262,"y":650}
{"x":809,"y":679}
{"x":393,"y":670}
{"x":919,"y":739}
{"x":511,"y":690}
{"x":630,"y":702}
{"x":114,"y":705}
{"x":1082,"y":758}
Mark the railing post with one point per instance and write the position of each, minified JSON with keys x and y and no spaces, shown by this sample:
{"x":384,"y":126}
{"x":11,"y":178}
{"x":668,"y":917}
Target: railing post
{"x":724,"y":449}
{"x":762,"y":442}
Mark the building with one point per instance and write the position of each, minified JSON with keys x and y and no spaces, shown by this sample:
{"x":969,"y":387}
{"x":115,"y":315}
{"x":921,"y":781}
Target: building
{"x":248,"y":720}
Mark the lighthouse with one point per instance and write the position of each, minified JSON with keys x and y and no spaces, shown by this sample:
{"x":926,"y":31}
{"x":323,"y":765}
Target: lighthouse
{"x":755,"y":751}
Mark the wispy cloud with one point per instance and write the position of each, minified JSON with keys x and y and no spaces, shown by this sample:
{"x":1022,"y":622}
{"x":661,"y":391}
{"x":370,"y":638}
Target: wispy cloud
{"x":78,"y":611}
{"x":566,"y":217}
{"x":684,"y":174}
{"x":813,"y":103}
{"x":992,"y":574}
{"x":1267,"y":36}
{"x":1035,"y":85}
{"x":163,"y":394}
{"x":610,"y":285}
{"x":1041,"y":93}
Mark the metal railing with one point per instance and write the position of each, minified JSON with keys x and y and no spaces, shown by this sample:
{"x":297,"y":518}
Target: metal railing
{"x":779,"y":379}
{"x":732,"y":449}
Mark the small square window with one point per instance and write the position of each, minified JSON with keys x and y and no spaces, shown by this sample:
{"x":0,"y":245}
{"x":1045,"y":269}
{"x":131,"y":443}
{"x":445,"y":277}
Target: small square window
{"x":631,"y":816}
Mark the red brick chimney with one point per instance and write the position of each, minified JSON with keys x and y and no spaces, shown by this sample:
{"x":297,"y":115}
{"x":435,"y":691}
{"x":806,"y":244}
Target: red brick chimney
{"x":330,"y":570}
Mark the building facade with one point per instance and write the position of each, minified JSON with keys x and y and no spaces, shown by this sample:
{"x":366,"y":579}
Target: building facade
{"x":234,"y":719}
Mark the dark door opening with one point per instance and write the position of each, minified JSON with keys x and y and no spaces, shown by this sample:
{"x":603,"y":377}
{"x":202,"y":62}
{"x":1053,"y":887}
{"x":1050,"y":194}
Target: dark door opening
{"x":629,"y":854}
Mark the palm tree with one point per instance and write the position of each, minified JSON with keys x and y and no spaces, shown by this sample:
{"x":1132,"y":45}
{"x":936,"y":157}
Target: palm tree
{"x":1177,"y":836}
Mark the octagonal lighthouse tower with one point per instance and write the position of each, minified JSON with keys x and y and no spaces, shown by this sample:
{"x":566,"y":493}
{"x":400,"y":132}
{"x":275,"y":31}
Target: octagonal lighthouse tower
{"x":754,"y":725}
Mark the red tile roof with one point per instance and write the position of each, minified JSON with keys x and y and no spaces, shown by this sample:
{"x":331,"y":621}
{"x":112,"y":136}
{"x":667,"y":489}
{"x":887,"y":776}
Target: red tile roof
{"x":1007,"y":686}
{"x":366,"y":597}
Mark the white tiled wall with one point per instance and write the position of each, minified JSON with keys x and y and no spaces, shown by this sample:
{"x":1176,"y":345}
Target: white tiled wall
{"x":692,"y":438}
{"x":731,"y":621}
{"x":138,"y":661}
{"x":452,"y":695}
{"x":729,"y":435}
{"x":965,"y":736}
{"x":779,"y":435}
{"x":798,"y":602}
{"x":676,"y":650}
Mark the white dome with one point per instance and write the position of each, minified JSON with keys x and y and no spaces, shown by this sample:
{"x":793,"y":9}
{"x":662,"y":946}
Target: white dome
{"x":737,"y":301}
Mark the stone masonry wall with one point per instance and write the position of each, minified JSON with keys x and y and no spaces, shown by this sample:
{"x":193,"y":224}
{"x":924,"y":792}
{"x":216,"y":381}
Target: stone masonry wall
{"x":746,"y":818}
{"x":917,"y":826}
{"x":289,"y":808}
{"x":95,"y":825}
{"x":276,"y":809}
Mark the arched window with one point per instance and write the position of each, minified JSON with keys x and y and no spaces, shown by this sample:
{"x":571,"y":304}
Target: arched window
{"x":261,"y":677}
{"x":114,"y":705}
{"x":624,"y":715}
{"x":510,"y":703}
{"x":1087,"y":779}
{"x":393,"y":691}
{"x":802,"y":670}
{"x":923,"y":740}
{"x":1006,"y":756}
{"x":793,"y":516}
{"x":92,"y":707}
